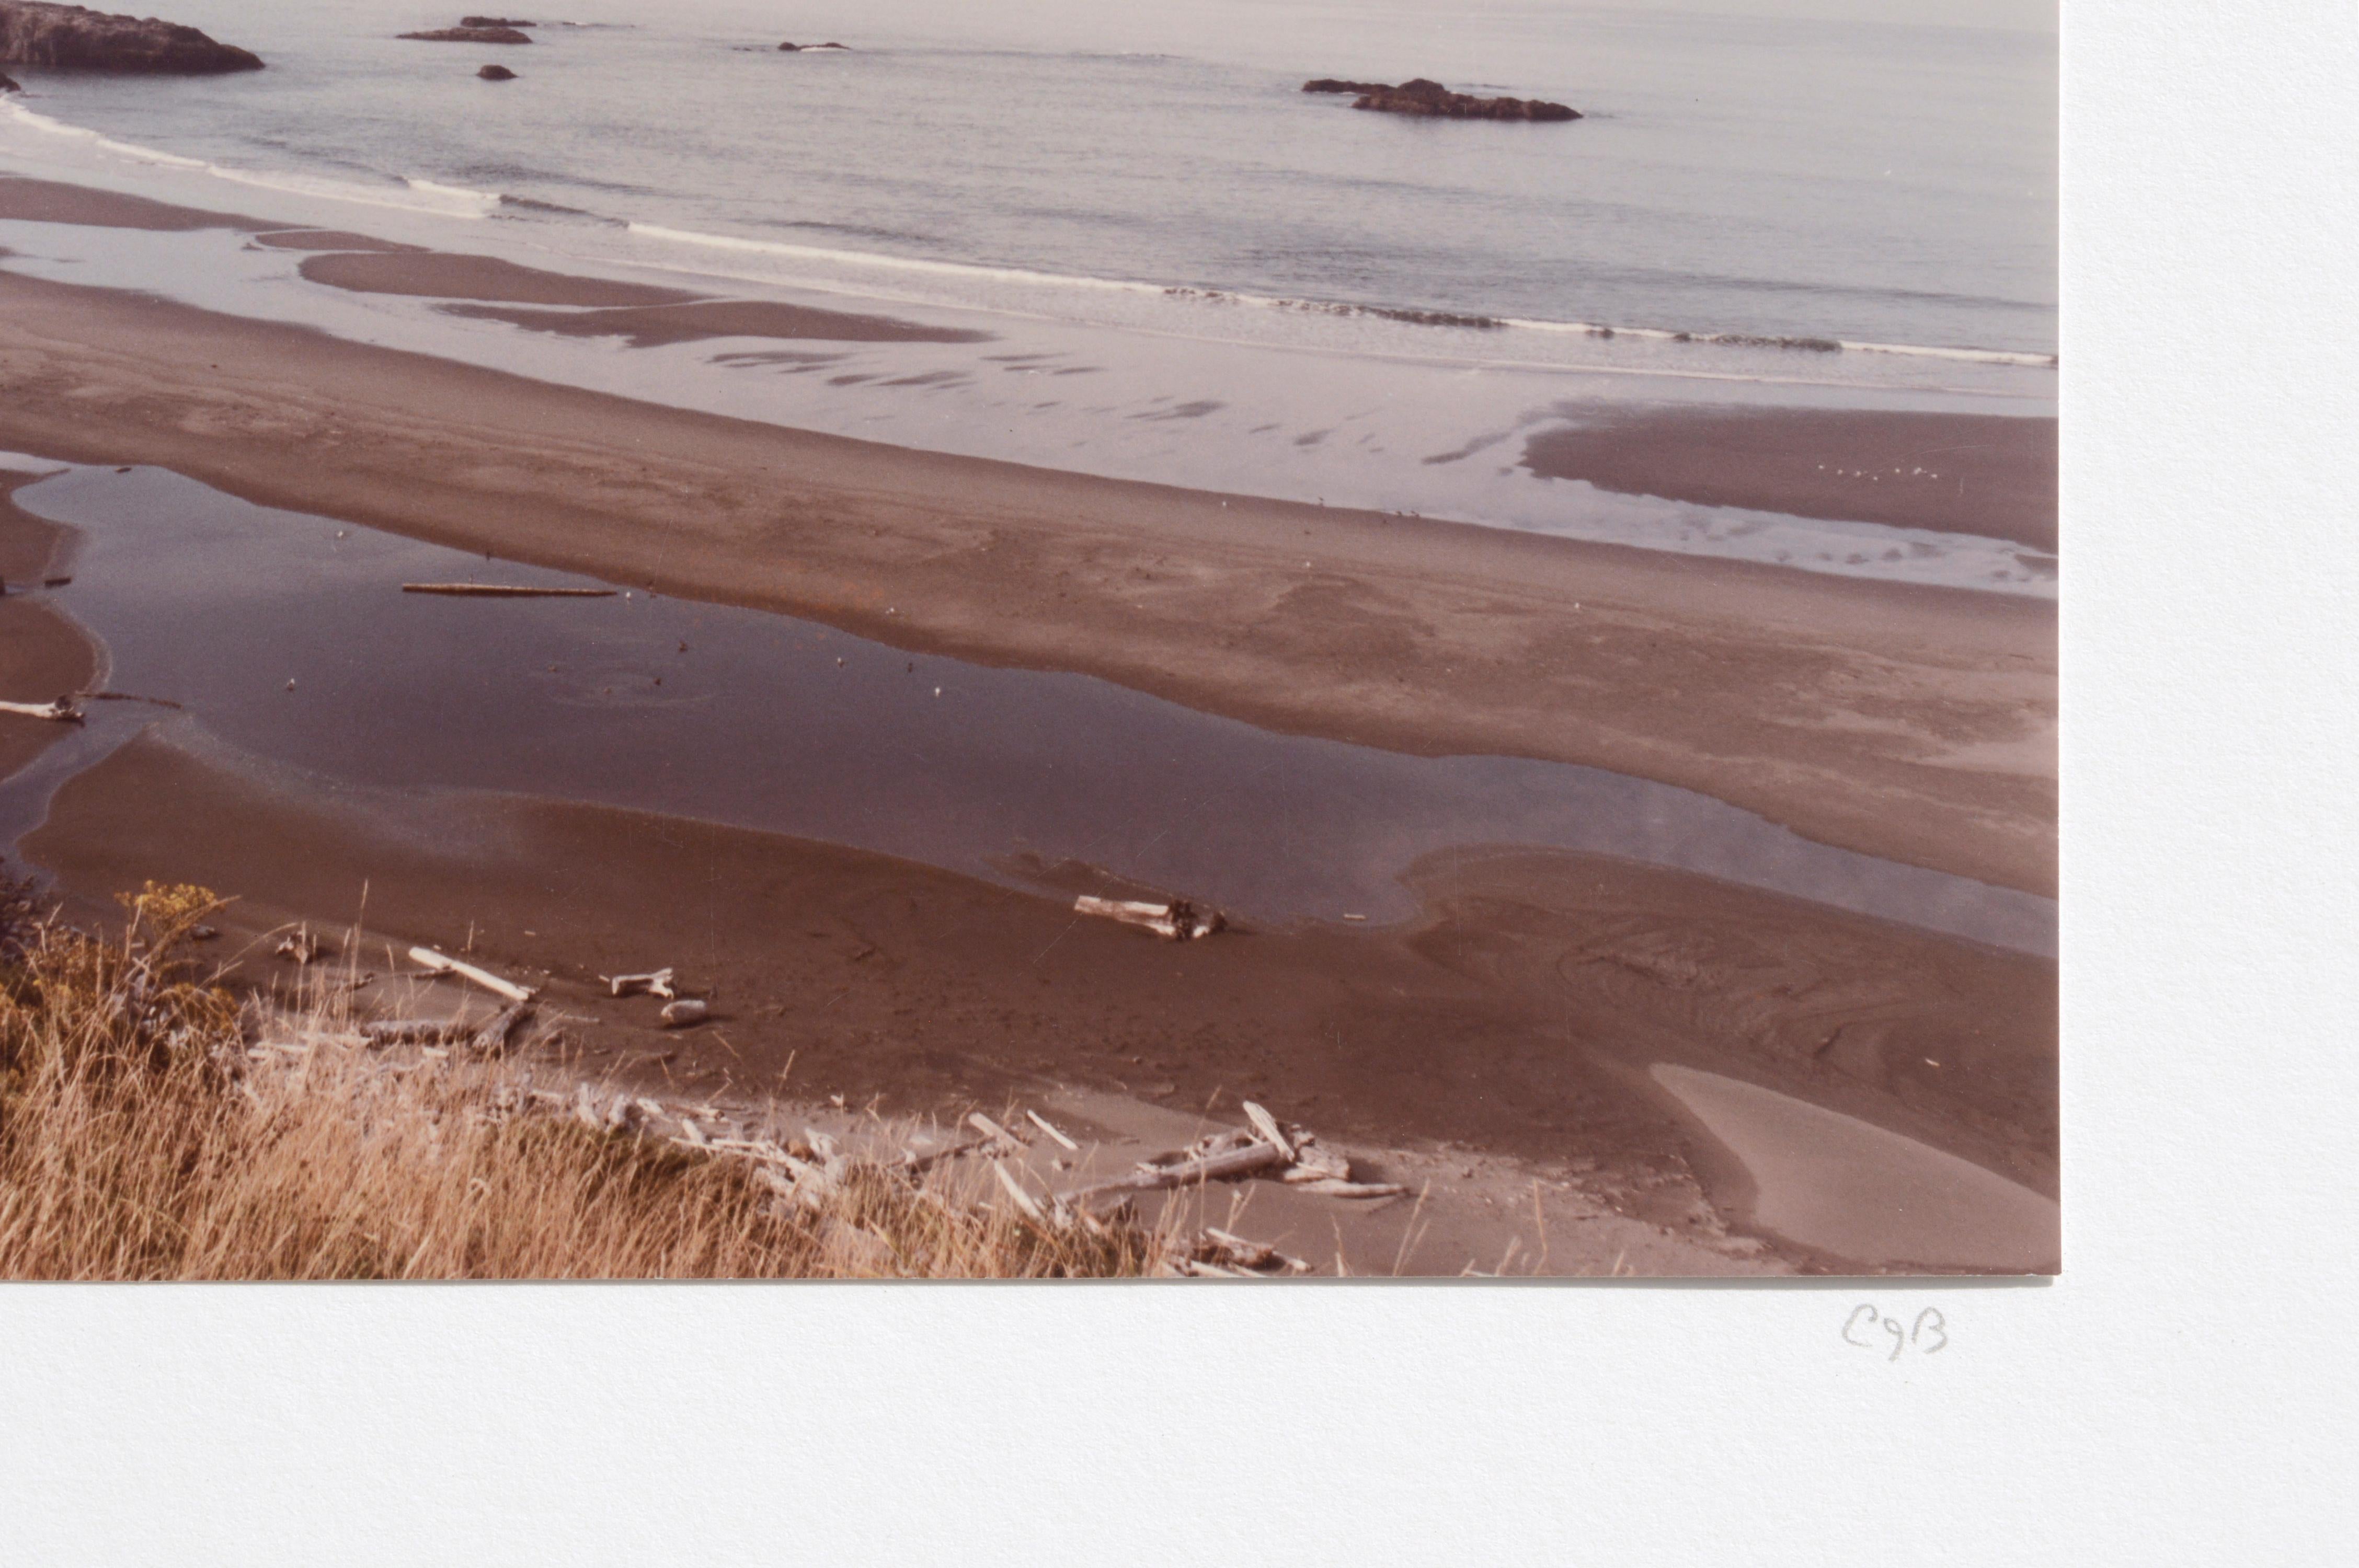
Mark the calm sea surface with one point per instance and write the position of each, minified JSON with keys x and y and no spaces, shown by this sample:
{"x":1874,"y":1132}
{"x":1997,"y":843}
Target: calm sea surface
{"x":1771,"y":178}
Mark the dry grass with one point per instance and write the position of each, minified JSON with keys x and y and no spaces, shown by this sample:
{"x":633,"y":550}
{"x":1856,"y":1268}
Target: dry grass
{"x":154,"y":1126}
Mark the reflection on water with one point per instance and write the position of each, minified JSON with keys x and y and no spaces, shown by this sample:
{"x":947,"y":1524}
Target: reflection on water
{"x":764,"y":722}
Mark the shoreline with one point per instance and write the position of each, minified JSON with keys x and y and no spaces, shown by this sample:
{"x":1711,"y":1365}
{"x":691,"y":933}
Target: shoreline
{"x":1916,"y":724}
{"x":1559,"y":978}
{"x":43,"y":654}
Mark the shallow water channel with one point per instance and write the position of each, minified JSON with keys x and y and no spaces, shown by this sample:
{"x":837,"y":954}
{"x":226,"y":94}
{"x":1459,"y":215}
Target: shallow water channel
{"x":766,"y":722}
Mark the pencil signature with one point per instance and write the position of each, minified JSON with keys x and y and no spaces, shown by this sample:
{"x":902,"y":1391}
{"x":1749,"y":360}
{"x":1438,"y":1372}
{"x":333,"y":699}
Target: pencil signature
{"x":1867,"y":1326}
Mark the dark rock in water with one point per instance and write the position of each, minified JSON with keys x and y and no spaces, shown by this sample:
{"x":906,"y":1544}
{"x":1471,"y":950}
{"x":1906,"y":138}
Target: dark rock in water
{"x":470,"y":36}
{"x":496,"y":73}
{"x":495,"y":22}
{"x":1423,"y":97}
{"x":7,"y":85}
{"x":1420,"y":96}
{"x":73,"y":37}
{"x":799,"y":48}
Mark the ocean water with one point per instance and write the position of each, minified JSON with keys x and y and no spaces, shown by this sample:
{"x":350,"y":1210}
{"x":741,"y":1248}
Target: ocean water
{"x":1187,"y":270}
{"x":1771,"y":178}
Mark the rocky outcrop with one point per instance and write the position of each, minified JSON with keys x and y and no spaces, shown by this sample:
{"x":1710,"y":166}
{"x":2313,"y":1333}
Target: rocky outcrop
{"x":469,"y":36}
{"x":496,"y":73}
{"x":8,"y":85}
{"x":1420,"y":96}
{"x":799,"y":48}
{"x":73,"y":37}
{"x":495,"y":22}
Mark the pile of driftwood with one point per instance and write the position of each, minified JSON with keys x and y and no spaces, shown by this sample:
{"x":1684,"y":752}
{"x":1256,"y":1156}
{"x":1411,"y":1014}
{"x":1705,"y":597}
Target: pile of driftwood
{"x":1293,"y":1154}
{"x":678,"y":1011}
{"x":804,"y":1172}
{"x":483,"y":1038}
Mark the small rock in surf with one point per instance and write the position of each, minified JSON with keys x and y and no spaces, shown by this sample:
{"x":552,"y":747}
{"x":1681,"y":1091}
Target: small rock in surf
{"x":1420,"y":96}
{"x":470,"y":36}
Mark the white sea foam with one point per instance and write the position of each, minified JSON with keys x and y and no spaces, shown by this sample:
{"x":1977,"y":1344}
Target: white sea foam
{"x":883,"y":263}
{"x":409,"y":195}
{"x":827,"y":256}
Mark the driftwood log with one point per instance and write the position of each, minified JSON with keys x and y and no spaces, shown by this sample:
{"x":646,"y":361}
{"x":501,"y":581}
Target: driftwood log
{"x":659,"y":983}
{"x":505,"y":591}
{"x":442,"y":963}
{"x":64,"y":711}
{"x":1178,"y":921}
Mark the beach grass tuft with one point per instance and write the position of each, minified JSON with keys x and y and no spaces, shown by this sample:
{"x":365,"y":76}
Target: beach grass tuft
{"x":155,"y":1125}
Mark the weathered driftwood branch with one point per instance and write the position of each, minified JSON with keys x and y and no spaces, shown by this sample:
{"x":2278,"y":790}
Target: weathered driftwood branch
{"x":493,"y":1037}
{"x":62,"y":711}
{"x":657,"y":983}
{"x":1042,"y":1123}
{"x":994,"y":1134}
{"x":505,"y":591}
{"x":1024,"y":1200}
{"x":1266,"y":1125}
{"x":1178,"y":921}
{"x":1337,"y":1187}
{"x":1255,"y":1156}
{"x":442,"y":963}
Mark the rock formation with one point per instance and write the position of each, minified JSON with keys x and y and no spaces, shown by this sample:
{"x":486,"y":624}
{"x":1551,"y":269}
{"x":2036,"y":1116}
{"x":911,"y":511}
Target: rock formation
{"x":1420,"y":96}
{"x":73,"y":37}
{"x":799,"y":48}
{"x":496,"y":73}
{"x":495,"y":22}
{"x":7,"y":85}
{"x":470,"y":36}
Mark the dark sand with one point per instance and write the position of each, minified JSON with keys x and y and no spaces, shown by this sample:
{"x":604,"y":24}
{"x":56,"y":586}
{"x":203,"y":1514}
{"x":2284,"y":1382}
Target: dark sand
{"x":1959,"y":473}
{"x":49,"y":202}
{"x":442,"y":275}
{"x":43,"y":656}
{"x":332,"y":240}
{"x":1915,"y":724}
{"x":652,"y":326}
{"x":599,"y":309}
{"x":1517,"y":1016}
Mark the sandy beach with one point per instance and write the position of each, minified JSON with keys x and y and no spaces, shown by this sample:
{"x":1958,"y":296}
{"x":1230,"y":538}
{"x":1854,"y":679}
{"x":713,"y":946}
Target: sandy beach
{"x":1915,"y":724}
{"x":1518,"y":1015}
{"x":1514,"y":1020}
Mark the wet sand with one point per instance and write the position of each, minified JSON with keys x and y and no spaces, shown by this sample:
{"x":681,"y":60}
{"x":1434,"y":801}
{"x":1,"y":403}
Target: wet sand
{"x":1522,"y":1013}
{"x":51,"y":201}
{"x":1913,"y":724}
{"x":652,"y":326}
{"x":1957,"y":473}
{"x":645,"y":316}
{"x":330,"y":240}
{"x":443,"y":275}
{"x":1517,"y":1016}
{"x":1836,"y":1182}
{"x":43,"y":654}
{"x":799,"y":729}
